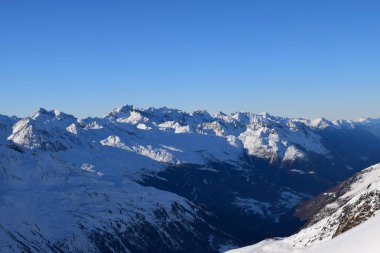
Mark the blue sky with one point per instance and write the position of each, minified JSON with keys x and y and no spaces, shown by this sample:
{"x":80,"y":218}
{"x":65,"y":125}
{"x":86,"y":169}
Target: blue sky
{"x":291,"y":58}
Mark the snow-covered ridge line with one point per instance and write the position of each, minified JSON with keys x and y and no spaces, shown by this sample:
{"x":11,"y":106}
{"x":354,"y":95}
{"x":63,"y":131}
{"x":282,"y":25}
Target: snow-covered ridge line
{"x":261,"y":135}
{"x":362,"y":238}
{"x":316,"y":122}
{"x":350,"y":204}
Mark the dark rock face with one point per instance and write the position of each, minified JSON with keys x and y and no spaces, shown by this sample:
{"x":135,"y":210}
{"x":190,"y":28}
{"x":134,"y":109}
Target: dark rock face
{"x":369,"y":204}
{"x":311,"y":208}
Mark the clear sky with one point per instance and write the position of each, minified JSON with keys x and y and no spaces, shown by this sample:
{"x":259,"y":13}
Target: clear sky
{"x":291,"y":58}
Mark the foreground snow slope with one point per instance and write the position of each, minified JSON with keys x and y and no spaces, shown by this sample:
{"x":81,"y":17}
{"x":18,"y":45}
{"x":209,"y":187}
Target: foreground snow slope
{"x":346,"y":206}
{"x":363,"y":238}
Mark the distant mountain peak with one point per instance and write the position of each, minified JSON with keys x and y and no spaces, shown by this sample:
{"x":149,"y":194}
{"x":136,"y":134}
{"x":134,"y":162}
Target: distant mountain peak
{"x":43,"y":114}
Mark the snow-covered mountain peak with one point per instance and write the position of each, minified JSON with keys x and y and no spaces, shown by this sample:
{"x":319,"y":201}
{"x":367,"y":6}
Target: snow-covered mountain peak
{"x":120,"y":111}
{"x":265,"y":115}
{"x":363,"y":119}
{"x":203,"y":114}
{"x":155,"y":115}
{"x":44,"y":129}
{"x":43,"y":114}
{"x":367,"y":121}
{"x":318,"y":123}
{"x":219,"y":115}
{"x":321,"y":123}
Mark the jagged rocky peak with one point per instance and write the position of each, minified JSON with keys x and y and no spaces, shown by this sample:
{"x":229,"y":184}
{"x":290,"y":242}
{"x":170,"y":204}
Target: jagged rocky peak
{"x":43,"y":129}
{"x":153,"y":114}
{"x":164,"y":114}
{"x":318,"y":123}
{"x":124,"y":109}
{"x":321,"y":123}
{"x":203,"y":114}
{"x":121,"y":111}
{"x":219,"y":114}
{"x":132,"y":114}
{"x":40,"y":112}
{"x":241,"y":117}
{"x":43,"y":114}
{"x":265,"y":115}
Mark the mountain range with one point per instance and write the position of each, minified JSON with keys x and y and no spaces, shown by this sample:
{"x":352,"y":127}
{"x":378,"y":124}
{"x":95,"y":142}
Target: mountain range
{"x":165,"y":180}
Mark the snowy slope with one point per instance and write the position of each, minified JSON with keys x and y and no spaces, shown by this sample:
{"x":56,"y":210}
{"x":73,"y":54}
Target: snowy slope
{"x":50,"y":205}
{"x":346,"y":206}
{"x":362,"y":238}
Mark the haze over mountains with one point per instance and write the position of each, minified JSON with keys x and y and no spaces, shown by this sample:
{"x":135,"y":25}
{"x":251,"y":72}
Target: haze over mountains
{"x":138,"y":180}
